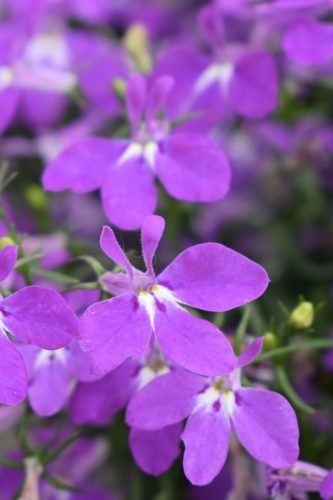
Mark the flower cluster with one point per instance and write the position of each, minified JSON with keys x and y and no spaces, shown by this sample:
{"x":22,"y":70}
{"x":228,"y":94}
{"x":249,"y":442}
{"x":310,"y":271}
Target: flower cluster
{"x":193,"y":121}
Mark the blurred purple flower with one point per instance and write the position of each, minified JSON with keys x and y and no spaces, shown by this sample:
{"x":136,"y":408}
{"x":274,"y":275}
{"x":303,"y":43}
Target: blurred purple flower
{"x":296,"y":481}
{"x":190,"y":166}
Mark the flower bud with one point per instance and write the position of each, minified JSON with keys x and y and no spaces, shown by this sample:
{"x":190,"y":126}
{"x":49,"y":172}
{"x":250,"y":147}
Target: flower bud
{"x":270,"y":341}
{"x":119,"y":86}
{"x":302,"y":316}
{"x":136,"y":43}
{"x":5,"y":241}
{"x":36,"y":197}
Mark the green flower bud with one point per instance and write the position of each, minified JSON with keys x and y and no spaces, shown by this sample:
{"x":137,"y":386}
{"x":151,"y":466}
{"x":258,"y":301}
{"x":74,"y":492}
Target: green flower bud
{"x":36,"y":197}
{"x":136,"y":43}
{"x":302,"y":316}
{"x":5,"y":241}
{"x":119,"y":86}
{"x":270,"y":341}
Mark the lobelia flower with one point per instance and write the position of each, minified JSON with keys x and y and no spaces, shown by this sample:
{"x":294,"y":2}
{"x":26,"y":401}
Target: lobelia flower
{"x":299,"y":479}
{"x":34,"y":70}
{"x":41,"y":63}
{"x":263,"y":421}
{"x":153,"y":451}
{"x":52,"y":374}
{"x":208,"y":276}
{"x":33,"y":315}
{"x":190,"y":166}
{"x":231,"y":79}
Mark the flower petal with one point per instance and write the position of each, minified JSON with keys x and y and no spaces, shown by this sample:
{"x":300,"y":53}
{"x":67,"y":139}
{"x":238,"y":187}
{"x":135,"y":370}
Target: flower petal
{"x":158,"y":94}
{"x":110,"y":246}
{"x":155,"y":451}
{"x":266,"y":425}
{"x":298,"y":42}
{"x":251,"y":352}
{"x":13,"y":381}
{"x":193,"y":343}
{"x":213,"y":277}
{"x":129,"y":194}
{"x":8,"y":256}
{"x":82,"y":166}
{"x":254,"y":86}
{"x":151,"y":233}
{"x":206,"y":439}
{"x":50,"y":386}
{"x":88,"y":402}
{"x":193,"y":168}
{"x":113,"y":330}
{"x":136,"y":93}
{"x":9,"y":100}
{"x":166,"y":400}
{"x":39,"y":316}
{"x":326,"y":489}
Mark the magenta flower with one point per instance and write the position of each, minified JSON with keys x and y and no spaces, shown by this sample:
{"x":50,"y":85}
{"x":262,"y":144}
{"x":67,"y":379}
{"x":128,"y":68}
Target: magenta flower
{"x":263,"y":421}
{"x":299,"y":479}
{"x":33,"y":315}
{"x":190,"y":166}
{"x":209,"y":276}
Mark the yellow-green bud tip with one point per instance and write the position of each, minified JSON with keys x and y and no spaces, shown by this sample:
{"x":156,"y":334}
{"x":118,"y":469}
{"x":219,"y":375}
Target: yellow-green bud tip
{"x":136,"y":43}
{"x":119,"y":86}
{"x":302,"y":316}
{"x":270,"y":341}
{"x":36,"y":197}
{"x":5,"y":241}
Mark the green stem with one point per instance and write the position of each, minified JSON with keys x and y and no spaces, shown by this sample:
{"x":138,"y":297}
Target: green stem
{"x":290,"y":392}
{"x":53,"y":455}
{"x":311,"y":344}
{"x":242,"y":327}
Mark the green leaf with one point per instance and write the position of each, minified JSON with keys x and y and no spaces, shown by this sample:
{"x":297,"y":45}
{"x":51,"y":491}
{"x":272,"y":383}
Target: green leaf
{"x":55,"y":276}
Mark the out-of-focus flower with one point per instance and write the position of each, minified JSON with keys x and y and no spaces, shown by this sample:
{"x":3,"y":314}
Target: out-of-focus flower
{"x":190,"y":166}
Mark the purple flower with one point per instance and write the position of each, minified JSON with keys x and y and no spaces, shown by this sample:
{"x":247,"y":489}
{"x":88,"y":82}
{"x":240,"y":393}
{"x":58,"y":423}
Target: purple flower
{"x":52,"y":373}
{"x":154,"y":451}
{"x":49,"y":378}
{"x":190,"y":166}
{"x":33,"y":315}
{"x":34,"y":74}
{"x":301,"y":478}
{"x":263,"y":421}
{"x":209,"y":276}
{"x":233,"y":78}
